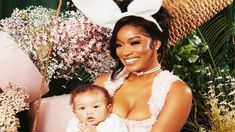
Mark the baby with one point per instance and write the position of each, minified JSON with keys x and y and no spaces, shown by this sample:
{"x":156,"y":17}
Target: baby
{"x":92,"y":106}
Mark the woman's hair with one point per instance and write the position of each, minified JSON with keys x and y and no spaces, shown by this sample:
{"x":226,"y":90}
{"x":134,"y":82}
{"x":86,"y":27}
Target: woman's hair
{"x":89,"y":88}
{"x":147,"y":27}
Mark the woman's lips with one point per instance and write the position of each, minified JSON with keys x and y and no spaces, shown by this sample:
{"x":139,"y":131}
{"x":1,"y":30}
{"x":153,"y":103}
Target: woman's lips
{"x":130,"y":61}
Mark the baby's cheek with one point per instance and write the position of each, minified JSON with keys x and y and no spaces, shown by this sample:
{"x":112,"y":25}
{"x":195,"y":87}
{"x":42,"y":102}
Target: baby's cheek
{"x":80,"y":117}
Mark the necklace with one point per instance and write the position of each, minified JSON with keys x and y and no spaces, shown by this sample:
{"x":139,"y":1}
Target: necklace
{"x":148,"y":72}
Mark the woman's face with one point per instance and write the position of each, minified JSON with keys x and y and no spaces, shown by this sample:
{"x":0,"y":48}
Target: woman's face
{"x":133,"y":49}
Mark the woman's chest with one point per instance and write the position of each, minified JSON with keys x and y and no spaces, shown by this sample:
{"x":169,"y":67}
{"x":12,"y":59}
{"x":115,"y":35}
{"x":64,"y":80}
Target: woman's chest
{"x":131,"y":101}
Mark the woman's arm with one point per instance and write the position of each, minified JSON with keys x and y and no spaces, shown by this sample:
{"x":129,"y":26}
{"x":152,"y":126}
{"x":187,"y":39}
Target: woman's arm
{"x":176,"y":109}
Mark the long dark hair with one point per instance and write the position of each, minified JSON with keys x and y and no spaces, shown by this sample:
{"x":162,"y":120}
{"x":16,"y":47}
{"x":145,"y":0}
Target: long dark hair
{"x":147,"y":27}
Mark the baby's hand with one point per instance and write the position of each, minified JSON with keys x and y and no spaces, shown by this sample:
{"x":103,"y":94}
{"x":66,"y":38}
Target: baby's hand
{"x":87,"y":128}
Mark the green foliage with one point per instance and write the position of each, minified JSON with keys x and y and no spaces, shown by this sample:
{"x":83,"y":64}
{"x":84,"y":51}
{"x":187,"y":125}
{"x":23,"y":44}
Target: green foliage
{"x":187,"y":61}
{"x":209,"y":48}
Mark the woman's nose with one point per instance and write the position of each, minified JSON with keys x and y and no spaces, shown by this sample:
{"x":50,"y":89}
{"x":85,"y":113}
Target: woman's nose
{"x":127,"y":50}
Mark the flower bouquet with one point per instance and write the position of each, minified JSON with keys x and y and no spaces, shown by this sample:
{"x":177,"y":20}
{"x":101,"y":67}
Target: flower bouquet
{"x":74,"y":40}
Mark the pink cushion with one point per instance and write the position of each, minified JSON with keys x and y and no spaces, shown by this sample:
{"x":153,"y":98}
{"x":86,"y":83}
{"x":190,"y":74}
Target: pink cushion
{"x":16,"y":67}
{"x":55,"y":113}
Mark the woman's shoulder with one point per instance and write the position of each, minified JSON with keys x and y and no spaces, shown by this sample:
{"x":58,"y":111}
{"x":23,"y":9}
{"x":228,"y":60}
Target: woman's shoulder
{"x":102,"y":78}
{"x":180,"y":91}
{"x":180,"y":86}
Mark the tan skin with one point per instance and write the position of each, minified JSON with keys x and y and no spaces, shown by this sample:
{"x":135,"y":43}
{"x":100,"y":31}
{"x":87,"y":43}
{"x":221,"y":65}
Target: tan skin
{"x":131,"y":99}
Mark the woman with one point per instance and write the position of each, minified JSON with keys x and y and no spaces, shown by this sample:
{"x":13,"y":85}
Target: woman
{"x":147,"y":97}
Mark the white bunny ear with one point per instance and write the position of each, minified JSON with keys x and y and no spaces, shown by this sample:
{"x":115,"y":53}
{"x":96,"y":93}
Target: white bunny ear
{"x":144,"y":7}
{"x":102,"y":12}
{"x":106,"y":12}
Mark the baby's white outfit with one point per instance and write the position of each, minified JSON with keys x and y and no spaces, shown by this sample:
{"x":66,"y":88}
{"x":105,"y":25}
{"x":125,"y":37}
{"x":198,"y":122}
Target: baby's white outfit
{"x":112,"y":124}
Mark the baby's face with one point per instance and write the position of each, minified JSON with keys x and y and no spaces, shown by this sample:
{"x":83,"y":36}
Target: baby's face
{"x":91,"y":107}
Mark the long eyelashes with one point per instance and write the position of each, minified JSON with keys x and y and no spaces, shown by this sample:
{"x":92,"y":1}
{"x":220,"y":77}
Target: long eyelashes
{"x":132,"y":43}
{"x":135,"y":42}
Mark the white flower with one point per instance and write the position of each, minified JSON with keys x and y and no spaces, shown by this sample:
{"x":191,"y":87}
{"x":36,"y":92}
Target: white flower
{"x":12,"y":102}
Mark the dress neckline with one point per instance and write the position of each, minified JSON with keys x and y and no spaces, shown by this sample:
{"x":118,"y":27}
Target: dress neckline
{"x":160,"y":87}
{"x":120,"y":80}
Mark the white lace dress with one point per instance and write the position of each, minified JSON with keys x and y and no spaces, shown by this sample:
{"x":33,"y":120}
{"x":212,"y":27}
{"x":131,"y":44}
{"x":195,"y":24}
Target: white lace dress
{"x":160,"y":87}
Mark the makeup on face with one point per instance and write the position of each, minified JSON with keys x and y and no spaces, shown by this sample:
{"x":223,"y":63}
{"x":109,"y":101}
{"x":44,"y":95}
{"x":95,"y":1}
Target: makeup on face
{"x":133,"y":48}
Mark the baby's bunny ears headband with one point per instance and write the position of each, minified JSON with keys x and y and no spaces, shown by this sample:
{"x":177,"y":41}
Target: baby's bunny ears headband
{"x":106,"y":12}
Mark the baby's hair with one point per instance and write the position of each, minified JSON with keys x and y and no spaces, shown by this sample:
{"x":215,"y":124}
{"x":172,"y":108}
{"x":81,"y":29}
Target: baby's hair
{"x":89,"y":88}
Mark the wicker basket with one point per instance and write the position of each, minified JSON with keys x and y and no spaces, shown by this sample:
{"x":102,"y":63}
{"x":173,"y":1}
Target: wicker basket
{"x":190,"y":14}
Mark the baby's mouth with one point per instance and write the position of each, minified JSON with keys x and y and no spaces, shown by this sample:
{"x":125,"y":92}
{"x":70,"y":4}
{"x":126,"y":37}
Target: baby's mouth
{"x":90,"y":119}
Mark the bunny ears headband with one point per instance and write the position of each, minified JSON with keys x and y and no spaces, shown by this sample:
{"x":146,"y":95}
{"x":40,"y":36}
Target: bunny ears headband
{"x":106,"y":12}
{"x":187,"y":14}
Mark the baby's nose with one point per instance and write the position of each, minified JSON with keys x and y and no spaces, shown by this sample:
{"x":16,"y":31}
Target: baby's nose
{"x":89,"y":112}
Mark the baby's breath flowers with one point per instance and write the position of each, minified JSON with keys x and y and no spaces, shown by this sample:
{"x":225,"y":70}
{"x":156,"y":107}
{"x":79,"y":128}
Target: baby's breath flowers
{"x":76,"y":42}
{"x":12,"y":101}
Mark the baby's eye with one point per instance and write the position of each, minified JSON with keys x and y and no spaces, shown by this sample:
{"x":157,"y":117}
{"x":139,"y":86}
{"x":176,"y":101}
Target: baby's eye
{"x":96,"y":106}
{"x":81,"y":108}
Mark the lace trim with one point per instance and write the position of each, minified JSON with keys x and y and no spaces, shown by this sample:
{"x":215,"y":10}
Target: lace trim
{"x":112,"y":86}
{"x":147,"y":122}
{"x":160,"y":88}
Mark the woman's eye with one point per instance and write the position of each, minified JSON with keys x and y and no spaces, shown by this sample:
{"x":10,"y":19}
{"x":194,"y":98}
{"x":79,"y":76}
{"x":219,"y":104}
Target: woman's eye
{"x":118,"y":45}
{"x":135,"y":42}
{"x":96,"y":106}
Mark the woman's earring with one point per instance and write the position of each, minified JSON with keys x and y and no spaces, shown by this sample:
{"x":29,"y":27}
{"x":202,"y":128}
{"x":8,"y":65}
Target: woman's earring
{"x":157,"y":48}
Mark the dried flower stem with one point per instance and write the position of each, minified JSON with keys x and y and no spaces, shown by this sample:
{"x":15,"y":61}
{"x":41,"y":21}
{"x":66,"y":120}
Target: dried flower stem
{"x":43,"y":84}
{"x":59,"y":8}
{"x":44,"y":79}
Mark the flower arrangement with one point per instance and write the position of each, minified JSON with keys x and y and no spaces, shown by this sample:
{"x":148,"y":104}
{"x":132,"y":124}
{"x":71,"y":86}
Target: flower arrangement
{"x":74,"y":40}
{"x":12,"y":101}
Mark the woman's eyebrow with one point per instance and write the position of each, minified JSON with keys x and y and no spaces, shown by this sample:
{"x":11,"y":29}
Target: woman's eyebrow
{"x":134,"y":37}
